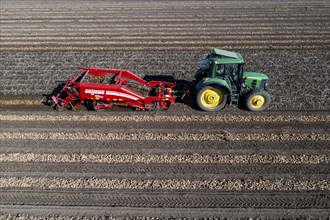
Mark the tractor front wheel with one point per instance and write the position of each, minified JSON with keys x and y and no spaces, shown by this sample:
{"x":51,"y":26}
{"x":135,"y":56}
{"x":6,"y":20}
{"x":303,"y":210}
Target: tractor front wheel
{"x":257,"y":101}
{"x":211,"y":98}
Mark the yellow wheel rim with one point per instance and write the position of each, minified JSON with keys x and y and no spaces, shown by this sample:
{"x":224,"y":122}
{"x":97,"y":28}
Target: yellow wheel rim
{"x":257,"y":101}
{"x":211,"y":98}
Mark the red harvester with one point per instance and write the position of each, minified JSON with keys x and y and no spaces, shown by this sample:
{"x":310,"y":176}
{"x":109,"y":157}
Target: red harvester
{"x":96,"y":96}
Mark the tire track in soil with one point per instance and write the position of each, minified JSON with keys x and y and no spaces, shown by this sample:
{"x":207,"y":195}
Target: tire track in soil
{"x":287,"y":126}
{"x":174,"y":200}
{"x":166,"y":171}
{"x":155,"y":169}
{"x":165,"y":147}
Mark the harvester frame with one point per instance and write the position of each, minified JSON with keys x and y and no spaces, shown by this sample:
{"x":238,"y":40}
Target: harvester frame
{"x":97,"y":96}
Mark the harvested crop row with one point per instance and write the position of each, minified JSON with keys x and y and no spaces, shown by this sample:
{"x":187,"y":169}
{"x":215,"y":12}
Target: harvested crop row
{"x":148,"y":136}
{"x":165,"y":158}
{"x":174,"y":118}
{"x":20,"y":102}
{"x":163,"y":184}
{"x":20,"y":216}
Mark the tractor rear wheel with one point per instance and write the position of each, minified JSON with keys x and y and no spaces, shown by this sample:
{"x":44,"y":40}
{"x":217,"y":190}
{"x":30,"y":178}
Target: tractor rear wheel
{"x":257,"y":101}
{"x":211,"y":98}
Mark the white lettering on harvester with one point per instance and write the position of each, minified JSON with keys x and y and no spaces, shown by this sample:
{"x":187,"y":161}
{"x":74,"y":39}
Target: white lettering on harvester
{"x":94,"y":91}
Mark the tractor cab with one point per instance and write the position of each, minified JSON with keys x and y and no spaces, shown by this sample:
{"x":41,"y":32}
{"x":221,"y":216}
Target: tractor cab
{"x":221,"y":80}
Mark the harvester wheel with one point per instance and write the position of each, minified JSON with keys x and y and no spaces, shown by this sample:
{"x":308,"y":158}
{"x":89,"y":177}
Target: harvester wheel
{"x":161,"y":105}
{"x":211,"y":98}
{"x":257,"y":101}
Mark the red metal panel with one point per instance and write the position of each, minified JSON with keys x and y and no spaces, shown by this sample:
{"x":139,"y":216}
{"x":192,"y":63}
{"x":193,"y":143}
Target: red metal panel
{"x":123,"y":73}
{"x":108,"y":92}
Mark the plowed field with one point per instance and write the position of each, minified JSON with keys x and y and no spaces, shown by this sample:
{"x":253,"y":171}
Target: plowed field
{"x":164,"y":25}
{"x":165,"y":164}
{"x":182,"y":163}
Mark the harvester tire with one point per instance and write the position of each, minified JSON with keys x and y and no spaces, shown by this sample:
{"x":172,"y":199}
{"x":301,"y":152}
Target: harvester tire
{"x":211,"y":98}
{"x":257,"y":101}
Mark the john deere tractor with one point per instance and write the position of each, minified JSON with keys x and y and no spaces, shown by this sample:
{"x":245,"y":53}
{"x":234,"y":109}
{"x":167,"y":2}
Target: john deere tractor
{"x":221,"y":80}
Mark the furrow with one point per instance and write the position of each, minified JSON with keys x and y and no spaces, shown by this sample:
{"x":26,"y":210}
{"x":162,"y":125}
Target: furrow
{"x":199,"y":126}
{"x":166,"y":147}
{"x":319,"y":170}
{"x":158,"y":199}
{"x":177,"y":200}
{"x":163,"y":184}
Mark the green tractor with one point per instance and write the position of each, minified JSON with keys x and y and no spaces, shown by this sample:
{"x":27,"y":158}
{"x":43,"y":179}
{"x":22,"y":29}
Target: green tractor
{"x":221,"y":80}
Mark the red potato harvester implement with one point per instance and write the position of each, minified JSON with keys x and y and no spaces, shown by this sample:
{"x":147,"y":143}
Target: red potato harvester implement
{"x":220,"y":80}
{"x":98,"y":96}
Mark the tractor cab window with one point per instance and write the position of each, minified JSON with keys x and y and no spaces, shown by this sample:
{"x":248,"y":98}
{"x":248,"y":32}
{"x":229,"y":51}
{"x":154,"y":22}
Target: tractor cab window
{"x":226,"y":70}
{"x":220,"y":71}
{"x":233,"y":71}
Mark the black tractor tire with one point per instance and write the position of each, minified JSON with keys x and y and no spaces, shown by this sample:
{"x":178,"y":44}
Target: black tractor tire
{"x":212,"y":98}
{"x":257,"y":100}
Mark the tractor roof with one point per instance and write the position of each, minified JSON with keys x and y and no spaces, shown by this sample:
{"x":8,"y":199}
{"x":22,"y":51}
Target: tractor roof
{"x":226,"y":57}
